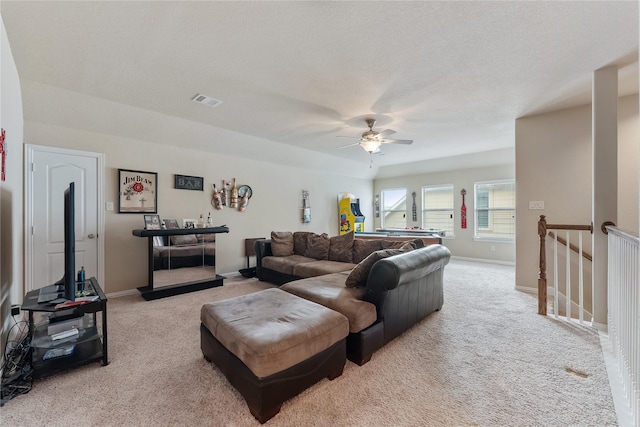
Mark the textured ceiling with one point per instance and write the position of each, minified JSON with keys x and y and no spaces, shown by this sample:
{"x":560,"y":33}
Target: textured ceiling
{"x":452,"y":76}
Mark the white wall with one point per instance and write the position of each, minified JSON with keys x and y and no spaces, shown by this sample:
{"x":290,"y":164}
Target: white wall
{"x":275,"y":205}
{"x":11,"y":237}
{"x":463,"y":244}
{"x":628,"y":160}
{"x":553,"y":164}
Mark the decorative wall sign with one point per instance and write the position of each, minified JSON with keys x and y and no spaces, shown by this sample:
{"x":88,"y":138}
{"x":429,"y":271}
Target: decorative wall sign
{"x":185,"y":182}
{"x":3,"y":153}
{"x":137,"y":190}
{"x":414,"y":213}
{"x":463,"y":210}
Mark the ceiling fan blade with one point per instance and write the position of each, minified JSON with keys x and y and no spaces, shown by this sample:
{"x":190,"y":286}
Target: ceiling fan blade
{"x":345,"y":136}
{"x":386,"y":132}
{"x":397,"y":141}
{"x":347,"y":146}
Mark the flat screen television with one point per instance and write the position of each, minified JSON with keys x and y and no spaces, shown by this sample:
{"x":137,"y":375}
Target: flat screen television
{"x":69,"y":278}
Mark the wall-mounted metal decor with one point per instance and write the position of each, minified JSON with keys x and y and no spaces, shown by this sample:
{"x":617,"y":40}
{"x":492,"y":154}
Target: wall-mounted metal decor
{"x":185,"y":182}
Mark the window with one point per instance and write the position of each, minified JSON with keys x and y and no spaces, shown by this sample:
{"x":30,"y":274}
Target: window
{"x":437,"y":208}
{"x":394,"y":208}
{"x":495,"y":211}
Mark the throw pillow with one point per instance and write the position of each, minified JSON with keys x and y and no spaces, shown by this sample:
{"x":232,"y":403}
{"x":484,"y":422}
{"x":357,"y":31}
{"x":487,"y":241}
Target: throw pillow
{"x":187,"y":239}
{"x":360,"y":273}
{"x":363,"y":247}
{"x":341,"y":248}
{"x":419,"y":243}
{"x":300,"y":242}
{"x":281,"y":243}
{"x":317,"y":246}
{"x":395,"y":244}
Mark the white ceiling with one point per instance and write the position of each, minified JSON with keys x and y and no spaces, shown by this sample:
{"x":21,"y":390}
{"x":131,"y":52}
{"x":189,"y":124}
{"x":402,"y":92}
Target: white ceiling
{"x":452,"y":76}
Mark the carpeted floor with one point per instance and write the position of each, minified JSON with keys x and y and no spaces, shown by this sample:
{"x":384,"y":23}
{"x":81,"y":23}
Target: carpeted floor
{"x":486,"y":359}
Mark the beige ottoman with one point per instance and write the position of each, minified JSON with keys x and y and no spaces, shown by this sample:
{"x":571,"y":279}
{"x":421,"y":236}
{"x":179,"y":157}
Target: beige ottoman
{"x":272,"y":345}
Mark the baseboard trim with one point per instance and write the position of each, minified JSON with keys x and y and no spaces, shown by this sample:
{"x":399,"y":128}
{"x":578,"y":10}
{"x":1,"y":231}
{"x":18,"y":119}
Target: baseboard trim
{"x":483,"y":260}
{"x":137,"y":292}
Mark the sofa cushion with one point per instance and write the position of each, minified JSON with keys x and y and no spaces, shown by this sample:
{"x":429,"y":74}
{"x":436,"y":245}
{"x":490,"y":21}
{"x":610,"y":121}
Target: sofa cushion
{"x":300,"y":242}
{"x":281,"y":243}
{"x":320,"y":267}
{"x":329,"y":290}
{"x":363,"y":247}
{"x":281,"y":331}
{"x":341,"y":248}
{"x":317,"y":246}
{"x":284,"y":264}
{"x":360,"y":274}
{"x":187,"y":239}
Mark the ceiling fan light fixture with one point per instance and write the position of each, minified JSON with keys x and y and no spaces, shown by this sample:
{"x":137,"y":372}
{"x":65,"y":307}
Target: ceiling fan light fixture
{"x":370,"y":145}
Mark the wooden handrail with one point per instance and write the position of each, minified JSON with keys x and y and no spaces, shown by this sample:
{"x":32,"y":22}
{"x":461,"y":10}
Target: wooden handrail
{"x":572,"y":246}
{"x":542,"y":275}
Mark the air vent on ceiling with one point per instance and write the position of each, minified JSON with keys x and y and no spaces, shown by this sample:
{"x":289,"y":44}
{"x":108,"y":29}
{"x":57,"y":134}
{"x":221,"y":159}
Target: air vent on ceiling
{"x":206,"y":100}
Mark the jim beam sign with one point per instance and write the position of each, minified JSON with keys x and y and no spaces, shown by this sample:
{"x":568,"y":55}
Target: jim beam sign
{"x":137,"y":191}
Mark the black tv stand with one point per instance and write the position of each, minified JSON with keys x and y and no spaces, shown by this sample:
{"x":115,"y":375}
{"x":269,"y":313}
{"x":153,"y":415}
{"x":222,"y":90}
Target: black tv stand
{"x":50,"y":355}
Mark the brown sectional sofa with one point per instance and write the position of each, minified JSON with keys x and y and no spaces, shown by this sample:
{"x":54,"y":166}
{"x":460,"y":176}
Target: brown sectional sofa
{"x":382,"y":287}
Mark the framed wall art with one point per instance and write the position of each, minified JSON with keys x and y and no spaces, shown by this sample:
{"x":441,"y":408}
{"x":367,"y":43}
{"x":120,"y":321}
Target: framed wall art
{"x":185,"y":182}
{"x":137,"y":191}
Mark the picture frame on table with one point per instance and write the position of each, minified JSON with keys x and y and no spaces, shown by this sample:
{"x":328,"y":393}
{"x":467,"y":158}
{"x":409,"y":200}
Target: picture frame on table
{"x":152,"y":222}
{"x":137,"y":191}
{"x":171,"y":224}
{"x":188,"y":223}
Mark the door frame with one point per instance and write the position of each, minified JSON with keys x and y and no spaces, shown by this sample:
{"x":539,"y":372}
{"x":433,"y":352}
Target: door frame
{"x":30,"y":150}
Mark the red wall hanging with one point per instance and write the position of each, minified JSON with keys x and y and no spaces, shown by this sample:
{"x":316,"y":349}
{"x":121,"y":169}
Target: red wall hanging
{"x":463,"y":210}
{"x":3,"y":151}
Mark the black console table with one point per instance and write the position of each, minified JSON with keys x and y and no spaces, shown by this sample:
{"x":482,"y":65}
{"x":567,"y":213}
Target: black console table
{"x":180,"y":260}
{"x":49,"y":355}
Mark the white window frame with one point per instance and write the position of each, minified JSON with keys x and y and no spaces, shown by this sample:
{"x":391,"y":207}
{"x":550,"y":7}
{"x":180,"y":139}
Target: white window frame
{"x":490,"y":210}
{"x":383,"y":212}
{"x":450,"y":232}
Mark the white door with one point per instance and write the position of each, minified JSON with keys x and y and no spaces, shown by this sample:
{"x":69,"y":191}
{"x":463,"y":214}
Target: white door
{"x":49,"y":172}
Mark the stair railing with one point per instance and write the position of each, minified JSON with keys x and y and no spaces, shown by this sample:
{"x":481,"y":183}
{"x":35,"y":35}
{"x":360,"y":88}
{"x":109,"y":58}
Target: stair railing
{"x":623,"y":299}
{"x":542,"y":276}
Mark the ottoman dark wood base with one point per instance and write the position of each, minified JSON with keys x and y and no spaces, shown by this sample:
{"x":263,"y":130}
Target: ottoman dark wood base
{"x":265,"y":396}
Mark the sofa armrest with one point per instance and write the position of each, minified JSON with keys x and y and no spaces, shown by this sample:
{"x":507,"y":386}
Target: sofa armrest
{"x":391,"y":272}
{"x":263,"y":249}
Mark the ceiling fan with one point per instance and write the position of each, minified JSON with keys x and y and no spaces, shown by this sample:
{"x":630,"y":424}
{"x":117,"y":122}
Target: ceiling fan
{"x":371,"y":140}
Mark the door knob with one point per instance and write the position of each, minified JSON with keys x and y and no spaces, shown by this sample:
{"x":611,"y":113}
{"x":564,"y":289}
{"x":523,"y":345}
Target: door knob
{"x":91,"y":236}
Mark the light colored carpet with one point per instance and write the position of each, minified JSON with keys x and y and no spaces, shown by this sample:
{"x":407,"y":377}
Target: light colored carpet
{"x":486,"y":359}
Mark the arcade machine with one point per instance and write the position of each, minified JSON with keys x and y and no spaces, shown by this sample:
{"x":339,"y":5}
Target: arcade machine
{"x":351,"y":219}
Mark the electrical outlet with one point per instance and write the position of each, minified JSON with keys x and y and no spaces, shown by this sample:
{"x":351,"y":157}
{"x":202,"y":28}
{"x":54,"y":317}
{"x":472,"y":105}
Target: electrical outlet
{"x":109,"y":206}
{"x":492,"y":248}
{"x":536,"y":205}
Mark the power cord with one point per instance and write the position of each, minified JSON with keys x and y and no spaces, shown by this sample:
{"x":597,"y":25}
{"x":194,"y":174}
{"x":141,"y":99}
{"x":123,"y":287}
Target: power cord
{"x":16,"y":368}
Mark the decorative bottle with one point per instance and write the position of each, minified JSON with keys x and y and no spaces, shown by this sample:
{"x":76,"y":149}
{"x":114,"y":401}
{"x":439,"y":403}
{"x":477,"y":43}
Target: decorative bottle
{"x":200,"y":222}
{"x":209,"y":220}
{"x":244,"y":201}
{"x":81,"y":279}
{"x":234,"y":195}
{"x":215,"y":199}
{"x":223,"y":193}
